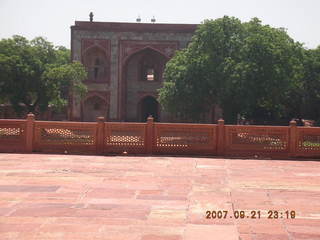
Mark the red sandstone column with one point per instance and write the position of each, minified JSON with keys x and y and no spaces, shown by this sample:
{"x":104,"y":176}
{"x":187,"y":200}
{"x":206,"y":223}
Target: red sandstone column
{"x":221,"y":136}
{"x":29,"y":132}
{"x":149,"y":135}
{"x":293,"y":138}
{"x":100,"y":135}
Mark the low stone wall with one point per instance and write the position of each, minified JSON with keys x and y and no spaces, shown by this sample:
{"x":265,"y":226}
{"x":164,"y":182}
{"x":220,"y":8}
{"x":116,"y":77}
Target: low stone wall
{"x":158,"y":138}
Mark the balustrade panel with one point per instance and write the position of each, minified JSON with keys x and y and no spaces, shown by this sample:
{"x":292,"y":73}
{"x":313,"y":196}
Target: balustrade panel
{"x":185,"y":138}
{"x":12,"y":135}
{"x":308,"y":142}
{"x":256,"y":139}
{"x":65,"y":137}
{"x":125,"y":137}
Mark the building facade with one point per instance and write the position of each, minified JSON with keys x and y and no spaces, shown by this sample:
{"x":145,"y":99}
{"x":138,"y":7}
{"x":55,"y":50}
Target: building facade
{"x":125,"y":64}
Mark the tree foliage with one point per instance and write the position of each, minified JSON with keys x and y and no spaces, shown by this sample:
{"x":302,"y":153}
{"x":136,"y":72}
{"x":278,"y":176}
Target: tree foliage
{"x":36,"y":74}
{"x":310,"y":93}
{"x":247,"y":68}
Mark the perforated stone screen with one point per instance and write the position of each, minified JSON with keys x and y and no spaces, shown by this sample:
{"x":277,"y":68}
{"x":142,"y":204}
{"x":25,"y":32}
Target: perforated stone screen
{"x":12,"y":135}
{"x":257,"y":138}
{"x":308,"y":141}
{"x":66,"y":136}
{"x":125,"y":137}
{"x":75,"y":137}
{"x":185,"y":138}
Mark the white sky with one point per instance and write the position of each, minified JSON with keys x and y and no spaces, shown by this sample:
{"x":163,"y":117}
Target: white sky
{"x":53,"y":18}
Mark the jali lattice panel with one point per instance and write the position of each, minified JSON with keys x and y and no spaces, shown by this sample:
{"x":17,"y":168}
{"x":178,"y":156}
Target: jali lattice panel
{"x":12,"y":135}
{"x":125,"y":137}
{"x":256,"y":139}
{"x":308,"y":142}
{"x":185,"y":138}
{"x":65,"y":136}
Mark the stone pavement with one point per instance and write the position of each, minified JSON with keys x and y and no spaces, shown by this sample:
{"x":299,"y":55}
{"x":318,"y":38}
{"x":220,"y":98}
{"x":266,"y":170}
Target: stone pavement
{"x":156,"y":198}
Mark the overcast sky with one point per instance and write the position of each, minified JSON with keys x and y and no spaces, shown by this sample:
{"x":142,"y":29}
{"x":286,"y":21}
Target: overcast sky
{"x":53,"y":18}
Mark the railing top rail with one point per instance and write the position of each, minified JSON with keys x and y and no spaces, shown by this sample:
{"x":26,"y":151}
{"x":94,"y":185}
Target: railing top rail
{"x":126,"y":123}
{"x":310,"y":128}
{"x":186,"y":124}
{"x":48,"y":123}
{"x":255,"y":126}
{"x":12,"y":120}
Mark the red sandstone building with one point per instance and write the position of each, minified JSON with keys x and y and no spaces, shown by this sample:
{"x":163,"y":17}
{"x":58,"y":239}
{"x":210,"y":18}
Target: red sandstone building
{"x":125,"y":64}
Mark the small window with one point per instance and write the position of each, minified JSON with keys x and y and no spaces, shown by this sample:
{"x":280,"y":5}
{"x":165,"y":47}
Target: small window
{"x":96,"y":72}
{"x":96,"y":68}
{"x":150,"y":74}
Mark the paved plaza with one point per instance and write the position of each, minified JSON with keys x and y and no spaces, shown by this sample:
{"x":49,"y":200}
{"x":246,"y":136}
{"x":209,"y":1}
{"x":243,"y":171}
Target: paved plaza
{"x":157,"y":198}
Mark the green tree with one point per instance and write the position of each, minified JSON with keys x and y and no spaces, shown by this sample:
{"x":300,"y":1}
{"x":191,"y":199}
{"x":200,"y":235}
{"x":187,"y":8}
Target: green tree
{"x":35,"y":74}
{"x":196,"y":77}
{"x":271,"y":68}
{"x":247,"y":68}
{"x":309,"y":106}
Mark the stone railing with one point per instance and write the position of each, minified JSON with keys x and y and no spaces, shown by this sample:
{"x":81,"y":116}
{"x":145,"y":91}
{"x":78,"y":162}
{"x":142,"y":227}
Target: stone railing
{"x":158,"y":138}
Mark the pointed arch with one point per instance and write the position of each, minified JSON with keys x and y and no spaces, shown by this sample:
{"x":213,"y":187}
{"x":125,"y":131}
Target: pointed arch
{"x":96,"y":62}
{"x":150,"y":61}
{"x":92,"y":47}
{"x":142,"y":72}
{"x":137,"y":51}
{"x":93,"y":106}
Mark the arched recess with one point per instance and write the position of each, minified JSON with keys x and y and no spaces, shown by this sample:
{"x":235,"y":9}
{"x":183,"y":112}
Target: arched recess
{"x":147,"y":58}
{"x":148,"y":106}
{"x":94,"y":107}
{"x":142,"y":72}
{"x":96,"y":62}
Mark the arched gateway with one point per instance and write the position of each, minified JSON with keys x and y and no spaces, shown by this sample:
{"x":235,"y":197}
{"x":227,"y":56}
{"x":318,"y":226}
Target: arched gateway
{"x":142,"y":78}
{"x":148,"y":106}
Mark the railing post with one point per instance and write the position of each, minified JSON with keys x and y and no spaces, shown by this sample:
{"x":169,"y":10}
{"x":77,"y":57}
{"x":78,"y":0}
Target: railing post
{"x":100,"y":135}
{"x":292,"y":138}
{"x":29,"y":132}
{"x":221,"y":136}
{"x":149,"y":135}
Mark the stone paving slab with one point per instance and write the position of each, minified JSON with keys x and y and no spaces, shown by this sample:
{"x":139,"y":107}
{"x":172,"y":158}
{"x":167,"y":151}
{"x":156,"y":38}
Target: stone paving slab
{"x":44,"y":197}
